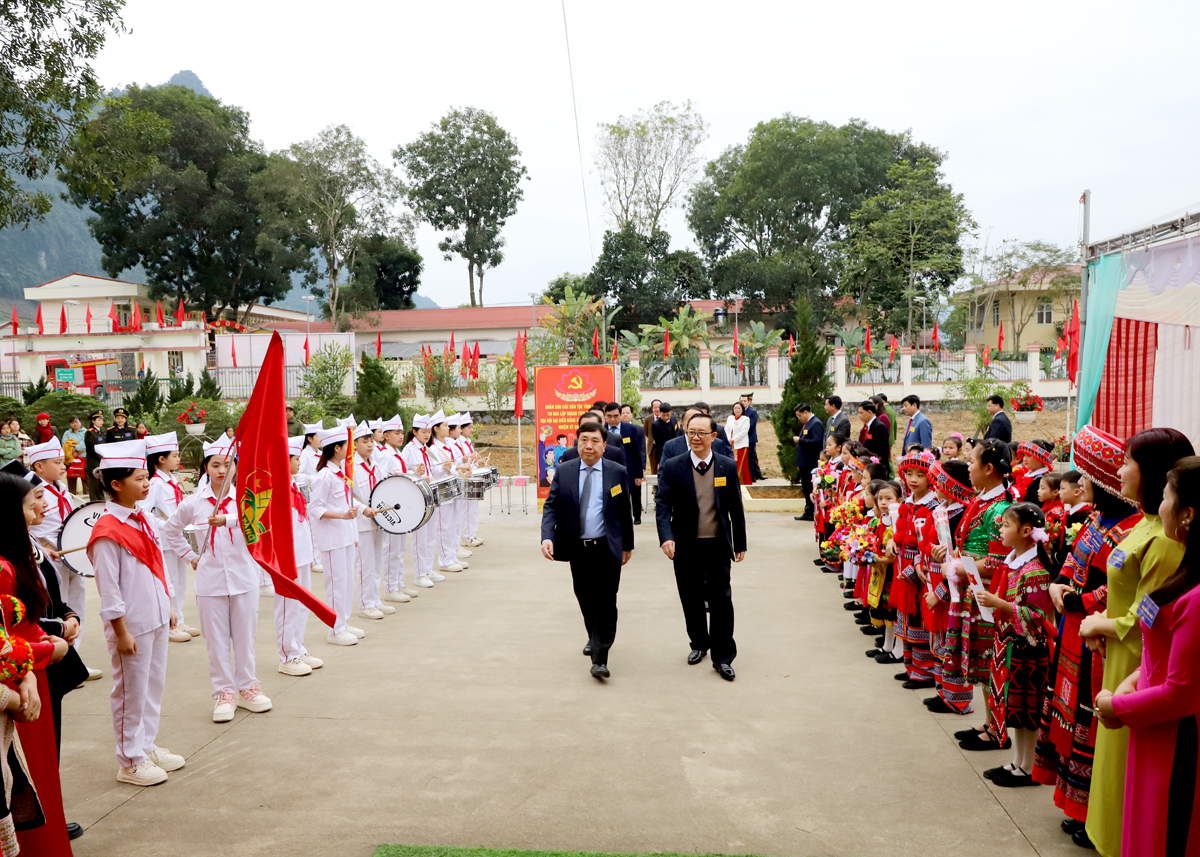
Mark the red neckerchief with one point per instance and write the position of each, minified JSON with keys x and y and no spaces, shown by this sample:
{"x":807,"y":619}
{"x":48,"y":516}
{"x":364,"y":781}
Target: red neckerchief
{"x":371,"y":480}
{"x":64,"y":505}
{"x":218,"y":510}
{"x":403,"y":466}
{"x":299,"y":503}
{"x":174,"y":485}
{"x":345,"y":481}
{"x":138,"y":540}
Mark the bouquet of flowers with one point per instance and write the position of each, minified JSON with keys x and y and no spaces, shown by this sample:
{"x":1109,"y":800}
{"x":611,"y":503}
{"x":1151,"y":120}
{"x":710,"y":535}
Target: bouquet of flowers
{"x":826,"y":478}
{"x":859,"y":544}
{"x":831,"y":551}
{"x":1027,"y":401}
{"x":191,"y":415}
{"x":847,"y":514}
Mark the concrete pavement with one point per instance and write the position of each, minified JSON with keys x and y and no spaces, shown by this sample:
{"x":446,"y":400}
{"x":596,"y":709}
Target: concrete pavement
{"x":469,"y":718}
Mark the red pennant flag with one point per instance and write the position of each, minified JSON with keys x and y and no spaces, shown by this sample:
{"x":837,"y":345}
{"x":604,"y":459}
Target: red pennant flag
{"x":522,"y":377}
{"x":475,"y":361}
{"x":137,"y":317}
{"x":306,"y":351}
{"x":466,"y":360}
{"x":868,"y":342}
{"x":112,"y":314}
{"x":88,"y":318}
{"x":14,"y":321}
{"x":162,"y":322}
{"x":987,"y":355}
{"x":264,"y":483}
{"x":667,"y":344}
{"x":452,"y":342}
{"x":892,"y":349}
{"x":614,"y":359}
{"x":378,"y":345}
{"x":936,"y":338}
{"x":39,"y":320}
{"x":233,"y":350}
{"x":62,"y":321}
{"x":596,"y":342}
{"x":204,"y":319}
{"x":857,"y":358}
{"x":1000,"y":341}
{"x":181,"y":313}
{"x":1073,"y":344}
{"x":791,"y":345}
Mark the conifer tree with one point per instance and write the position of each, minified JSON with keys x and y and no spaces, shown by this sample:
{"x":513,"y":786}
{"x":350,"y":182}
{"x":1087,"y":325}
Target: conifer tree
{"x":147,"y":399}
{"x":208,"y":388}
{"x":808,"y":381}
{"x":378,"y":393}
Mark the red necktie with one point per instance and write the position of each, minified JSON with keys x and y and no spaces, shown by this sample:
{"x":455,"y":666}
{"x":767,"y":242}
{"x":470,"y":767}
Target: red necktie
{"x":299,"y":503}
{"x":145,"y":527}
{"x":370,"y":477}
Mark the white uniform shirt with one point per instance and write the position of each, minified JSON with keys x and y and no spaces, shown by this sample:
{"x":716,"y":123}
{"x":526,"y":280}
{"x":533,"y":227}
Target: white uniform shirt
{"x":161,"y":495}
{"x":302,"y":543}
{"x":226,"y":567}
{"x":128,"y":589}
{"x":415,"y":454}
{"x":366,"y":477}
{"x":58,"y":507}
{"x":330,"y":492}
{"x":308,"y":461}
{"x":441,"y":452}
{"x":393,"y":461}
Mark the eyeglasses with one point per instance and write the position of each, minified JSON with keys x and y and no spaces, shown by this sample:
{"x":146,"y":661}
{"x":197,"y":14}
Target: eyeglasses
{"x":700,"y":434}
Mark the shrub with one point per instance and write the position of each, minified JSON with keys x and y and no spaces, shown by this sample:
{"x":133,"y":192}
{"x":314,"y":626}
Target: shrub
{"x":181,"y":389}
{"x":808,"y":381}
{"x":326,"y":372}
{"x":10,"y":407}
{"x":208,"y":388}
{"x":32,"y":392}
{"x":62,"y":407}
{"x":974,"y":393}
{"x":147,"y":400}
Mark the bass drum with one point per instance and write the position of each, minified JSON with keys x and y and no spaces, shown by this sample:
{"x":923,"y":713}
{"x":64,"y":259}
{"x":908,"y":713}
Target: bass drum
{"x":403,"y":503}
{"x":73,"y":539}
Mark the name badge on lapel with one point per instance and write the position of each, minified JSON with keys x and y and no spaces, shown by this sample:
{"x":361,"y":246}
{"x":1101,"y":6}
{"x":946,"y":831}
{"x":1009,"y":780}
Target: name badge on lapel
{"x":806,"y":431}
{"x":718,"y":481}
{"x":1117,"y":558}
{"x":616,"y":489}
{"x":1147,"y":611}
{"x":626,"y":439}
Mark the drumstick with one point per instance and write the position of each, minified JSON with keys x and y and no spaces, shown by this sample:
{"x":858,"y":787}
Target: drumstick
{"x":72,"y":550}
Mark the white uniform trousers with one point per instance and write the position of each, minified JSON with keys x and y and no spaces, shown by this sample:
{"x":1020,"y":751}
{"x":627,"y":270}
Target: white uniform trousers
{"x":177,"y":573}
{"x":339,"y":583}
{"x":316,"y":565}
{"x":425,"y":546}
{"x":460,"y":520}
{"x":229,"y":621}
{"x":447,"y":533}
{"x":74,"y":591}
{"x":470,"y":528}
{"x":291,"y":618}
{"x":136,"y":700}
{"x":395,"y":547}
{"x":370,"y":566}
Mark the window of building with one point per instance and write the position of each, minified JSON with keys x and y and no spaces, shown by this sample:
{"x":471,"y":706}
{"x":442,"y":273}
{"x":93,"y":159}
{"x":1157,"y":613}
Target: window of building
{"x":995,"y":313}
{"x":175,"y":363}
{"x":1045,"y":311}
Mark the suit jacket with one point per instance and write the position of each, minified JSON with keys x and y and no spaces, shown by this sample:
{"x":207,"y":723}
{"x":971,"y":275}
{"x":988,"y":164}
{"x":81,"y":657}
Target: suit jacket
{"x":678,"y":514}
{"x":634,"y":443}
{"x":611,"y":453}
{"x":1000,"y":428}
{"x":875,"y":438}
{"x":812,"y":441}
{"x":839,"y":423}
{"x":660,"y":433}
{"x":753,"y":415}
{"x":918,"y":430}
{"x":677,"y":446}
{"x":560,"y":514}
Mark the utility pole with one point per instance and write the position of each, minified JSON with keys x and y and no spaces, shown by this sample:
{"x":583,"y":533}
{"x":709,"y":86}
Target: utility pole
{"x":1084,"y":238}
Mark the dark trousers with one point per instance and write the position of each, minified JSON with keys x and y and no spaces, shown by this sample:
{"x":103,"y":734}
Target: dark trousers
{"x":702,"y":575}
{"x":596,"y":577}
{"x":95,"y":492}
{"x":807,"y":484}
{"x":635,"y":496}
{"x":755,"y":471}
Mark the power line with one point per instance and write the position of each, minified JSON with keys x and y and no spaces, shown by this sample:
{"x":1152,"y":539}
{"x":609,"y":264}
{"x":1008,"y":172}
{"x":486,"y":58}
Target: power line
{"x":578,"y":140}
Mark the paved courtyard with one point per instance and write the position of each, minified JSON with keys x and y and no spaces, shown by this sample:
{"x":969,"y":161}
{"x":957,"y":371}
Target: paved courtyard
{"x":469,"y":718}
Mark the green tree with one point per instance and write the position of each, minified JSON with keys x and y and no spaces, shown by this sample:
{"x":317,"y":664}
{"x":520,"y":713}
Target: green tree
{"x":645,"y":162}
{"x":330,"y":193}
{"x":441,"y":379}
{"x":1022,"y":275}
{"x":391,"y":270}
{"x":326,"y":372}
{"x":181,"y":389}
{"x":191,"y":222}
{"x":208,"y":388}
{"x":573,"y":322}
{"x":32,"y":392}
{"x":643,"y":279}
{"x":680,"y":356}
{"x":465,"y":181}
{"x":147,"y":399}
{"x":378,"y":394}
{"x":808,"y":382}
{"x":556,"y":289}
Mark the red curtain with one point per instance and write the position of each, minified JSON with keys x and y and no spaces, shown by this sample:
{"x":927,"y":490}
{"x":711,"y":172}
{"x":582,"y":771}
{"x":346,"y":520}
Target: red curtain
{"x":1124,"y":405}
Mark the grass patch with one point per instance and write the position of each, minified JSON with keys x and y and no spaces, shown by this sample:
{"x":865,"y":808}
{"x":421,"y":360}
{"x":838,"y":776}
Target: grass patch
{"x":439,"y":851}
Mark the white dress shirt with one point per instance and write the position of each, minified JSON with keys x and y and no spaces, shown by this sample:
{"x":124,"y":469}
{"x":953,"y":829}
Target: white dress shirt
{"x":366,"y":477}
{"x":697,"y":459}
{"x":330,"y":492}
{"x":128,"y":589}
{"x":738,"y":431}
{"x":594,"y":522}
{"x":161,"y":495}
{"x":226,"y":567}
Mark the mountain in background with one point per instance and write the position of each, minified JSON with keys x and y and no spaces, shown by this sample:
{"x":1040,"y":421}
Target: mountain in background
{"x":62,"y":244}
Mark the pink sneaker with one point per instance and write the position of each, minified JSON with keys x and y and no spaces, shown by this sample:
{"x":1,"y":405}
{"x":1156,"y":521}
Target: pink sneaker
{"x":253,"y":699}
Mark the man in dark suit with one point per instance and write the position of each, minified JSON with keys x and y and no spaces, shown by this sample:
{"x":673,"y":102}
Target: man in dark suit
{"x":1000,"y":427}
{"x":838,"y":423}
{"x":630,"y":438}
{"x":661,"y":431}
{"x":809,"y":444}
{"x":747,"y":400}
{"x":677,"y":446}
{"x":874,"y":434}
{"x":613,"y":452}
{"x":586,"y":522}
{"x":648,"y":429}
{"x":701,"y":527}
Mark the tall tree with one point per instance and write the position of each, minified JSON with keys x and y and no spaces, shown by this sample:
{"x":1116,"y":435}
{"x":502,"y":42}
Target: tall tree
{"x":556,"y":289}
{"x":330,"y":191}
{"x":808,"y":382}
{"x":385,"y":276}
{"x":465,"y":180}
{"x":643,"y":278}
{"x":647,"y":160}
{"x":191,"y":222}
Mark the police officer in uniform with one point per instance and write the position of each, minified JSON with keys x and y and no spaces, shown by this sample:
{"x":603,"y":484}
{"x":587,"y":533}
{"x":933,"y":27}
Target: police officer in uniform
{"x":91,"y":461}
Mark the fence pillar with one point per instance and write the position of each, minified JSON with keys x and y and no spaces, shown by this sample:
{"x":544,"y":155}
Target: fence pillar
{"x":773,"y":368}
{"x":563,"y":359}
{"x":906,"y":353}
{"x":1033,"y":352}
{"x":970,"y":361}
{"x":705,"y":373}
{"x":839,"y":368}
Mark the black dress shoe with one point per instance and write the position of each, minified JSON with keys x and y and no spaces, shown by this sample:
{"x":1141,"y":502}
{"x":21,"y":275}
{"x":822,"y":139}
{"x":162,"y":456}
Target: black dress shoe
{"x":917,"y":684}
{"x":848,"y":593}
{"x":863,"y":620}
{"x":901,"y":676}
{"x":1081,"y":839}
{"x":990,"y":773}
{"x":695,"y":656}
{"x":637,"y":520}
{"x":853,"y":605}
{"x":600,"y":670}
{"x":832,"y":570}
{"x":1071,"y":826}
{"x":869,"y":629}
{"x":939,"y":706}
{"x":1014,"y":779}
{"x":74,"y":831}
{"x":978,"y":743}
{"x":888,"y":658}
{"x":871,"y":653}
{"x":964,"y":734}
{"x":725,"y":671}
{"x":818,"y":562}
{"x":587,"y":649}
{"x":805,"y":518}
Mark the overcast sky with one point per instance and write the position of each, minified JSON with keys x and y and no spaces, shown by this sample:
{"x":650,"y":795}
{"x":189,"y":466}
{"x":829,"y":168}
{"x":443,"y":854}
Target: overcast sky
{"x":1032,"y":101}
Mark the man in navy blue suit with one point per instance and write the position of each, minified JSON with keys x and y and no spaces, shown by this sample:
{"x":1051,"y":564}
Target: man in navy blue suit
{"x":633,"y":444}
{"x":586,"y":521}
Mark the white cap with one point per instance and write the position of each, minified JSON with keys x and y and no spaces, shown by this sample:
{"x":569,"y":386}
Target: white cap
{"x":167,"y":442}
{"x":314,"y":428}
{"x":376,"y":425}
{"x":394,"y":424}
{"x":420,"y":421}
{"x":50,"y":449}
{"x":220,"y":446}
{"x":348,"y":421}
{"x":439,"y":417}
{"x":453,"y":419}
{"x":363,"y":429}
{"x":125,"y":453}
{"x":296,"y":445}
{"x":330,"y":435}
{"x":465,"y":418}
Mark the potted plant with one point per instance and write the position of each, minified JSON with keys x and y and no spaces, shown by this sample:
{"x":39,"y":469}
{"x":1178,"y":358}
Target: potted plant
{"x":192,"y":419}
{"x":1026,"y":404}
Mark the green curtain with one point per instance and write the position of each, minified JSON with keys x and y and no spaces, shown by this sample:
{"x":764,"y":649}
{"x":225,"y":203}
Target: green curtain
{"x":1105,"y":276}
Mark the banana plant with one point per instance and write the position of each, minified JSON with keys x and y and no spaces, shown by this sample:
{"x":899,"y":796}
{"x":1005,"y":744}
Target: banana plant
{"x":574,"y":320}
{"x":753,"y":345}
{"x":672,"y":346}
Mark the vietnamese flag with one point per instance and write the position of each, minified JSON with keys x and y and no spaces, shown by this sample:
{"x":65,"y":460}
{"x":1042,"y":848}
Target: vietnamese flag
{"x":451,"y":342}
{"x":892,"y":349}
{"x":181,"y":313}
{"x":88,"y":318}
{"x":466,"y":361}
{"x":791,"y":345}
{"x":14,"y":321}
{"x":264,"y":483}
{"x":204,"y":319}
{"x":378,"y":345}
{"x":987,"y":355}
{"x":667,"y":343}
{"x":39,"y":320}
{"x":936,"y":338}
{"x":857,"y":358}
{"x":1073,"y":344}
{"x":162,"y":322}
{"x":868,"y":342}
{"x":137,"y":317}
{"x":306,"y":350}
{"x":475,"y":361}
{"x":112,"y":314}
{"x":596,"y":342}
{"x":1000,"y":341}
{"x":233,"y":351}
{"x":1058,"y":350}
{"x":62,"y":321}
{"x":522,"y":377}
{"x":614,"y":359}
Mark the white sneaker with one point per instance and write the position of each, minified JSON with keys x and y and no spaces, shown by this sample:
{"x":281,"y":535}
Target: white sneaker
{"x":425,"y":583}
{"x":462,"y":553}
{"x":385,"y":609}
{"x":167,"y":760}
{"x":93,"y":674}
{"x":399,"y":596}
{"x":179,"y":635}
{"x":357,"y":632}
{"x":145,"y":774}
{"x":435,"y":577}
{"x":253,"y":699}
{"x":343,"y":639}
{"x":195,"y":632}
{"x":315,"y":663}
{"x":224,"y":710}
{"x":411,"y":593}
{"x":370,"y":613}
{"x":317,"y":568}
{"x":295,"y":667}
{"x":458,"y":566}
{"x":474,"y":542}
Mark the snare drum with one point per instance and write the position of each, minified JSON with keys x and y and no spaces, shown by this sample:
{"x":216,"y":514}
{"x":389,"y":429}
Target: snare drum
{"x":478,"y":484}
{"x":447,"y":489}
{"x":403,"y":503}
{"x":495,"y":471}
{"x":74,"y":537}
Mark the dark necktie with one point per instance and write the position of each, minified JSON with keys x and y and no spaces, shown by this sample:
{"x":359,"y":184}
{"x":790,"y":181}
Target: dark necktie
{"x":585,"y":501}
{"x":701,"y":466}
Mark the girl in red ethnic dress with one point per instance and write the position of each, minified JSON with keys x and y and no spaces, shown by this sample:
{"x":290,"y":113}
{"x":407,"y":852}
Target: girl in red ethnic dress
{"x":915,"y":512}
{"x":952,"y":484}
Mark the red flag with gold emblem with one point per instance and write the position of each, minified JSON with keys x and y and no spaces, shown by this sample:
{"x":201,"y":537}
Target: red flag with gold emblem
{"x":264,"y":483}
